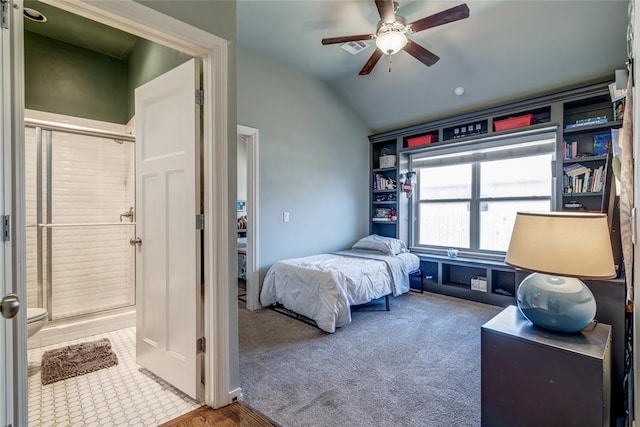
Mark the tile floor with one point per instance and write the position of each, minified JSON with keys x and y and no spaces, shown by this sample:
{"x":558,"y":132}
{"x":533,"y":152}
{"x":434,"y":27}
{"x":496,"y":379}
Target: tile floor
{"x":123,"y":395}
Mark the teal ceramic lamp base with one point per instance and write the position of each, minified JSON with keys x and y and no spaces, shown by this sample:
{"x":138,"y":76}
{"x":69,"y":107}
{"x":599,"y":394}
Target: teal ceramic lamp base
{"x":563,"y":304}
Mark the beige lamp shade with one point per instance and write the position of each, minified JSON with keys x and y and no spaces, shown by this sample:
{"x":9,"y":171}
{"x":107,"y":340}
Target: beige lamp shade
{"x":563,"y":244}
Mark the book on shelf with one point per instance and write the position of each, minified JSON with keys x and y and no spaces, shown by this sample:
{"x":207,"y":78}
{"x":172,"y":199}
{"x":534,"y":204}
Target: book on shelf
{"x":381,"y":182}
{"x":575,"y":169}
{"x":570,"y":149}
{"x":376,"y":219}
{"x":588,"y":121}
{"x":581,"y":179}
{"x":601,"y":143}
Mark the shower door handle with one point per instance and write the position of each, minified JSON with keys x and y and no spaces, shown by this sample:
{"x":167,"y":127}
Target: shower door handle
{"x":9,"y":306}
{"x":136,"y":241}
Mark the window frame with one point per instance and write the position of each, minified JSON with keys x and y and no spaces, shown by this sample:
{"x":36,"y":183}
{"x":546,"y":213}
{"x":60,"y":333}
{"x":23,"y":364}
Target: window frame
{"x":528,"y":143}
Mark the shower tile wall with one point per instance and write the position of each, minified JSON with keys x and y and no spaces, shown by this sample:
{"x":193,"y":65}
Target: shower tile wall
{"x":93,"y":183}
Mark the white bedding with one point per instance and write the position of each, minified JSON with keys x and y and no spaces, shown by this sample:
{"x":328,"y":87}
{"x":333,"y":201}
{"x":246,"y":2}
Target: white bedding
{"x":322,"y":287}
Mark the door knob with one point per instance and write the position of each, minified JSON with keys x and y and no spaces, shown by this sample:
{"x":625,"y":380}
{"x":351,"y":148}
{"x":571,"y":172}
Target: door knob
{"x":136,"y":241}
{"x":9,"y":306}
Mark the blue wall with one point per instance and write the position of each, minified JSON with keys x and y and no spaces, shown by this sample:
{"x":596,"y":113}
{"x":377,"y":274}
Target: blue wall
{"x":313,"y":161}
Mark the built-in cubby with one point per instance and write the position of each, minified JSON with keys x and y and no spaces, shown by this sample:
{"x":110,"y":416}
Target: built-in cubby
{"x":495,"y":282}
{"x":503,"y":282}
{"x":421,"y":139}
{"x":460,"y":275}
{"x":463,"y":130}
{"x":539,"y":115}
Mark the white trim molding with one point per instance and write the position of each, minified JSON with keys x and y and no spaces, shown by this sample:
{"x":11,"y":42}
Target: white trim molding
{"x":13,"y":253}
{"x":251,"y":135}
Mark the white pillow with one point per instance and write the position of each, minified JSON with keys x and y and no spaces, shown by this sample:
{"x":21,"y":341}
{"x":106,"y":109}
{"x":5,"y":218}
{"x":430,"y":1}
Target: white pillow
{"x":384,"y":245}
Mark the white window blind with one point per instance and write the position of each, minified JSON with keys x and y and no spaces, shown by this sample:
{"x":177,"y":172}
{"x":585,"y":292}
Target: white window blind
{"x":520,"y":144}
{"x":469,"y":192}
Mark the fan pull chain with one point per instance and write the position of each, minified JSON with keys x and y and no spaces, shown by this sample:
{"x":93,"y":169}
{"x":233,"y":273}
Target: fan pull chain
{"x":389,"y":62}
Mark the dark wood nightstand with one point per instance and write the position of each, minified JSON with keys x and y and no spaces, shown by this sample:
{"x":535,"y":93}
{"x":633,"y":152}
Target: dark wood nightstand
{"x":536,"y":377}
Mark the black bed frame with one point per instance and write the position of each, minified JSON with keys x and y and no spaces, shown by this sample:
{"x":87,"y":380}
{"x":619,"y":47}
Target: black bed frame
{"x":279,"y":308}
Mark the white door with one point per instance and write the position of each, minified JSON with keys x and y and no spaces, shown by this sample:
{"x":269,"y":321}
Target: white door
{"x":168,"y":296}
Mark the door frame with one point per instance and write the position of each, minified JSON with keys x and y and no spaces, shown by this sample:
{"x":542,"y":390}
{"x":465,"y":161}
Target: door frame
{"x":14,"y":345}
{"x":251,"y":135}
{"x":150,"y":24}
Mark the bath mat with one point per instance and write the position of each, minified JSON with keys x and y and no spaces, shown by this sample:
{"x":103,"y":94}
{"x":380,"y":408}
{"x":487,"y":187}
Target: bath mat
{"x":77,"y":359}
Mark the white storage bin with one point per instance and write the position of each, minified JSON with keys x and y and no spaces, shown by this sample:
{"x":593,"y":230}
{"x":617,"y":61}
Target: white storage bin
{"x":387,"y":161}
{"x":479,"y":283}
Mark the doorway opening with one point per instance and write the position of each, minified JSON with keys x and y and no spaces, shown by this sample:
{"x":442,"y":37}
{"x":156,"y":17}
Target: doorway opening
{"x":80,"y":190}
{"x":247,"y":206}
{"x":213,"y":52}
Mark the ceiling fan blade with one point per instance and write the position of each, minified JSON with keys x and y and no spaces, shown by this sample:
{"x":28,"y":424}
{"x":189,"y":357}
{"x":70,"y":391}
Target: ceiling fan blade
{"x":373,"y":60}
{"x":386,"y":10}
{"x":346,"y":39}
{"x":444,"y":17}
{"x":428,"y":58}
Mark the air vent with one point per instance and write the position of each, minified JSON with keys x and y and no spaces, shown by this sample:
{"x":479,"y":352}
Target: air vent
{"x":355,"y":47}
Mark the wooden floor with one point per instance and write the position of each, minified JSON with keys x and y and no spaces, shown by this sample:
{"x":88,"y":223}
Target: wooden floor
{"x":236,"y":414}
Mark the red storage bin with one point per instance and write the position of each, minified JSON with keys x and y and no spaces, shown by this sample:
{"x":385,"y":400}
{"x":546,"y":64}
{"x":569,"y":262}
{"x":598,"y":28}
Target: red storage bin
{"x":420,"y":140}
{"x":514,"y":122}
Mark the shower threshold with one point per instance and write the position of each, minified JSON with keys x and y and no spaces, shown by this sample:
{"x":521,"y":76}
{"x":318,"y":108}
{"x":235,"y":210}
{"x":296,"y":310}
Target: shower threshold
{"x":59,"y":331}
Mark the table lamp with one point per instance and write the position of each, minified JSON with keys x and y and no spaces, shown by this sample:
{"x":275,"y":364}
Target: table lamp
{"x":560,"y":248}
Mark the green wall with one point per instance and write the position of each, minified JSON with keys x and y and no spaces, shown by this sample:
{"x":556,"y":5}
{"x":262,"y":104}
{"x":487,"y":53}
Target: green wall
{"x":147,"y":61}
{"x":65,"y":79}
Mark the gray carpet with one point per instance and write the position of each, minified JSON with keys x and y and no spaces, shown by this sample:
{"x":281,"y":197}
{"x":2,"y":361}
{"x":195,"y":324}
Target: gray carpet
{"x":417,"y":365}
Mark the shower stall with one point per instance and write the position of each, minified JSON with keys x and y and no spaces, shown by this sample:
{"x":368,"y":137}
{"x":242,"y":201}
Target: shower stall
{"x":80,"y":217}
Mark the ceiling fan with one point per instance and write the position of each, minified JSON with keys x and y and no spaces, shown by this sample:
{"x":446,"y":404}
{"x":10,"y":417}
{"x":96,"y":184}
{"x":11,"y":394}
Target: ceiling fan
{"x":391,"y":34}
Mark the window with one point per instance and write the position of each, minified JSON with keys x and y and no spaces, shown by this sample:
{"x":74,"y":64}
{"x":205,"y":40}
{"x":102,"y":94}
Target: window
{"x":468,"y":194}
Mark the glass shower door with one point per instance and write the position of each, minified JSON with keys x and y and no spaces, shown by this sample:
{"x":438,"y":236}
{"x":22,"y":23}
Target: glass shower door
{"x":85,"y":218}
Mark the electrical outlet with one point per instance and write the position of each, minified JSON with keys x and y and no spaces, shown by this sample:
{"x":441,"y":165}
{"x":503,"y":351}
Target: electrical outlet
{"x":285,"y":216}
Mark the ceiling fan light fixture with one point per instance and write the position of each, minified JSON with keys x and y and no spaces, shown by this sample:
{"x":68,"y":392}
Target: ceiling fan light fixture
{"x":391,"y":42}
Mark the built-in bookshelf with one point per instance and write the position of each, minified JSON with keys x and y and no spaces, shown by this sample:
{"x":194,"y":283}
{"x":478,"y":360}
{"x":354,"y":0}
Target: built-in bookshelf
{"x":585,"y":125}
{"x":589,"y":135}
{"x":384,"y":189}
{"x":477,"y":280}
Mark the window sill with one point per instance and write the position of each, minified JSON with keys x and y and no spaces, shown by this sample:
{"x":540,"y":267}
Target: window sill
{"x":467,"y":257}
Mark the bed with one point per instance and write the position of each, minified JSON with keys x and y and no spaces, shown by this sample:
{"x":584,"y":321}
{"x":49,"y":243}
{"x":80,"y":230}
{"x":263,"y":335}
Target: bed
{"x":242,"y":244}
{"x":242,"y":258}
{"x":323,"y":287}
